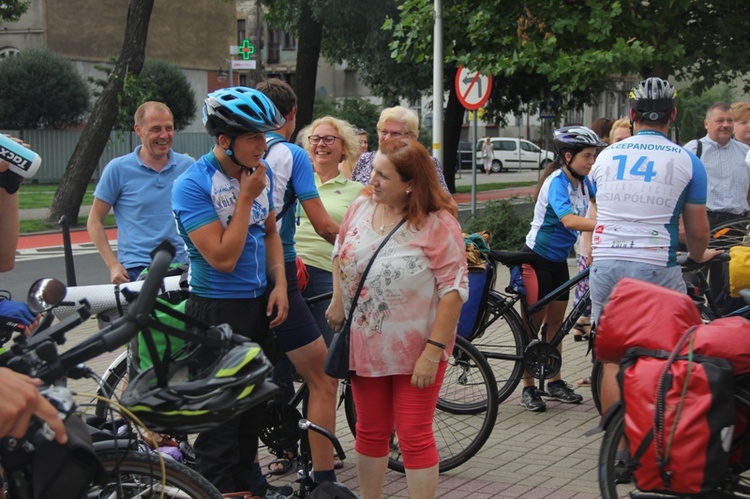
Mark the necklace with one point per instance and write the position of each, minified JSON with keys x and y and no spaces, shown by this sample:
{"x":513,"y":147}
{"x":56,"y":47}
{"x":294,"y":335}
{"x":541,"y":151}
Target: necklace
{"x":383,"y":225}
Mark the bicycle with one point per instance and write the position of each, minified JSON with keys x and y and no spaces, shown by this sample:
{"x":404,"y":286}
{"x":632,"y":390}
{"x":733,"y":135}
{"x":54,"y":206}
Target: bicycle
{"x":127,"y":472}
{"x":728,"y":234}
{"x":500,"y":332}
{"x":462,"y":421}
{"x":615,"y":483}
{"x":699,"y":290}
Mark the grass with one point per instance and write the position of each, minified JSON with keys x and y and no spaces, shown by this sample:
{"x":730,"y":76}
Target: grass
{"x":29,"y":226}
{"x":40,"y":195}
{"x":493,"y":186}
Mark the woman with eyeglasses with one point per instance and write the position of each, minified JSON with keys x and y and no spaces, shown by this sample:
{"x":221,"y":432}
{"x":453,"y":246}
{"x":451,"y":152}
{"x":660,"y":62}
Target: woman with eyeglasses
{"x":330,"y":143}
{"x":394,"y":122}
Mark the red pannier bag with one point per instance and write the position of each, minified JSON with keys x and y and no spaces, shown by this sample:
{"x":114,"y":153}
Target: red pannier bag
{"x":679,"y":418}
{"x":726,"y":338}
{"x":641,"y":314}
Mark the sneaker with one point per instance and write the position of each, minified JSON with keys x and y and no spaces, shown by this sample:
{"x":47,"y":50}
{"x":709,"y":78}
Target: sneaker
{"x":531,"y":400}
{"x":623,"y":474}
{"x":560,"y":390}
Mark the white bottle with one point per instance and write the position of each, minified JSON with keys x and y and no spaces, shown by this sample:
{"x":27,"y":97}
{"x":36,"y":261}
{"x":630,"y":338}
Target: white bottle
{"x":23,"y":161}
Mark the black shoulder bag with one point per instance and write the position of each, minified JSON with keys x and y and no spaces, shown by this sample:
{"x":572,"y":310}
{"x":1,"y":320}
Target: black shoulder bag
{"x":337,"y":360}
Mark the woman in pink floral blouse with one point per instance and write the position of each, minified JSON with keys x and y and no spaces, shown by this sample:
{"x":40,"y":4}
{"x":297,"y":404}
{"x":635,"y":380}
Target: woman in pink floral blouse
{"x":405,"y":321}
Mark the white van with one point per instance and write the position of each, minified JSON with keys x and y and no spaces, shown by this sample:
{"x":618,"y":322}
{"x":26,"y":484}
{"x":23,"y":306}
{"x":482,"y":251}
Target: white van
{"x":514,"y":154}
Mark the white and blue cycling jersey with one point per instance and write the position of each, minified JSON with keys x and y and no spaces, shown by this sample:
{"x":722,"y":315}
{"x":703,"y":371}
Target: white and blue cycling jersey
{"x":558,"y":197}
{"x":294,"y":180}
{"x":203,"y":195}
{"x":642,"y":185}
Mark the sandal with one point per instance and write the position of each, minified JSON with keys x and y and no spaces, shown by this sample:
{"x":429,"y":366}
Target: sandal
{"x":337,"y":462}
{"x":581,"y":332}
{"x":282,"y":465}
{"x":584,"y":382}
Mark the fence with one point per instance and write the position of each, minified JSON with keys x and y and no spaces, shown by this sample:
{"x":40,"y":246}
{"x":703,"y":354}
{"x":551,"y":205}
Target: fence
{"x":56,"y":146}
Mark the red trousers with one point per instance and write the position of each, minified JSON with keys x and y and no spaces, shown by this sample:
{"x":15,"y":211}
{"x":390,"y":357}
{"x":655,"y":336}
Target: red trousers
{"x":389,"y":402}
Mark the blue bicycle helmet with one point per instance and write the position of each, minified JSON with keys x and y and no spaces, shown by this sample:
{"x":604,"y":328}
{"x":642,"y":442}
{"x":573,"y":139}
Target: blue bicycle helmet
{"x":237,"y":110}
{"x":575,"y":138}
{"x":653,"y":99}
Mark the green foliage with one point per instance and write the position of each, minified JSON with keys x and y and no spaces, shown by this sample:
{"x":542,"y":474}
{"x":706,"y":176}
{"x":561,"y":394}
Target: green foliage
{"x":41,"y":89}
{"x":504,"y":220}
{"x":12,"y":10}
{"x":691,"y":110}
{"x":159,"y":81}
{"x":359,"y":112}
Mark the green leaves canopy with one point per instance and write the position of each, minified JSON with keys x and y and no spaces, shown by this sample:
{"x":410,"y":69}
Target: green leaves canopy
{"x":40,"y":89}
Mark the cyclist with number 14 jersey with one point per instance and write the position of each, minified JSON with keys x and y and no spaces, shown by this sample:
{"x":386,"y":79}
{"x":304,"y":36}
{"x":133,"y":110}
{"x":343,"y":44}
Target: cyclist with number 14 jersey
{"x":644,"y":184}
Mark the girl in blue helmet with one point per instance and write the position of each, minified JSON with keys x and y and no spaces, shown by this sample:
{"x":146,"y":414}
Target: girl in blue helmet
{"x":562,"y":199}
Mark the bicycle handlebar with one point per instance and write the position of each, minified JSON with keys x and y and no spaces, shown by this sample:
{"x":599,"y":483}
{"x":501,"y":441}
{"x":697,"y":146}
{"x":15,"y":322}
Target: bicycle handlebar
{"x":124,"y":329}
{"x":687,"y":263}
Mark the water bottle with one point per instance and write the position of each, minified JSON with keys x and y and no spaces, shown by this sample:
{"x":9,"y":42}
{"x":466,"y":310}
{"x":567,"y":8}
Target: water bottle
{"x":23,"y":161}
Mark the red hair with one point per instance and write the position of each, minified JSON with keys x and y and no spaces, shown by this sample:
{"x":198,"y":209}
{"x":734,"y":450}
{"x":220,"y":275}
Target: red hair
{"x":414,"y":164}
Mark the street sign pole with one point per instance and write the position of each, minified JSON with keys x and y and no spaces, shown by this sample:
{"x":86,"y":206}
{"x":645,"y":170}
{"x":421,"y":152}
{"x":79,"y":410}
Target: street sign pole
{"x":474,"y":164}
{"x":473,"y":91}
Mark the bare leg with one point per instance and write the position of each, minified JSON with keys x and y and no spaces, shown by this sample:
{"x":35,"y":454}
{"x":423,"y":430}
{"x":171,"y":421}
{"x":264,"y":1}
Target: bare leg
{"x":321,"y":410}
{"x":422,"y":483}
{"x":371,"y":473}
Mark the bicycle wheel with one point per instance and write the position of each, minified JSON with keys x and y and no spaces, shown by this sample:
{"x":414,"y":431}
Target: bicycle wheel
{"x":114,"y":381}
{"x":729,"y":234}
{"x":137,"y":474}
{"x":502,"y":343}
{"x":597,"y":372}
{"x":459,"y":433}
{"x":613,"y":482}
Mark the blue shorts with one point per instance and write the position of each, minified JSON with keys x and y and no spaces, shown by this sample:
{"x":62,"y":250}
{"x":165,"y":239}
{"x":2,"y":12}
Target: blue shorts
{"x":300,"y":327}
{"x":605,"y":274}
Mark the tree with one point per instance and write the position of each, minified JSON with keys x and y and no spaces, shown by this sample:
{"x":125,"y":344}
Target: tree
{"x":158,"y":81}
{"x":41,"y":89}
{"x":12,"y":10}
{"x":83,"y":161}
{"x":691,"y":110}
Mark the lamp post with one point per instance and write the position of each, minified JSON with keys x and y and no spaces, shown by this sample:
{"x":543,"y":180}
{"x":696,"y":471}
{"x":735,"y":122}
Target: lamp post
{"x":222,"y":74}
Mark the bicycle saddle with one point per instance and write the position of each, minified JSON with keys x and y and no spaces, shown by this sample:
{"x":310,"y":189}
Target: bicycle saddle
{"x":511,"y":258}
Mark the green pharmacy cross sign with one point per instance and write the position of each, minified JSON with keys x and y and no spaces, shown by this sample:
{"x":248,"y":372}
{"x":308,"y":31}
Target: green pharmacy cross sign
{"x":246,"y":50}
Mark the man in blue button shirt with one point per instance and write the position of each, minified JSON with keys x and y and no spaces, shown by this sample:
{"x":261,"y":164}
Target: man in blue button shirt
{"x":139,"y":188}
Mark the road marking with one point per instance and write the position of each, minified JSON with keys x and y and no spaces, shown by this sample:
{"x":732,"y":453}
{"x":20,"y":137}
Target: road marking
{"x":31,"y":254}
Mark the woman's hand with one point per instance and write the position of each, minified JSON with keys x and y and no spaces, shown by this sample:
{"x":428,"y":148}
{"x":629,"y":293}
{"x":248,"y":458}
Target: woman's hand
{"x":278,"y":304}
{"x":425,"y":371}
{"x":335,"y":313}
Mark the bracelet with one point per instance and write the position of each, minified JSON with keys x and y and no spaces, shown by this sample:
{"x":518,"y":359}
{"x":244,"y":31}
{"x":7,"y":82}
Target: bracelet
{"x":435,"y":343}
{"x":431,"y":360}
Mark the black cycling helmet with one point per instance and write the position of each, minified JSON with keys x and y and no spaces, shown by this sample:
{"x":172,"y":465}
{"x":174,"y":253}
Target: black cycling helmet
{"x":575,"y":138}
{"x":197,"y":396}
{"x":237,"y":110}
{"x":653,"y":99}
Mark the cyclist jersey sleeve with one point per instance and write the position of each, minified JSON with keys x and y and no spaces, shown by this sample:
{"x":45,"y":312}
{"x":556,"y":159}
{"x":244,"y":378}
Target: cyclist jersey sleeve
{"x":697,"y":189}
{"x":559,"y":197}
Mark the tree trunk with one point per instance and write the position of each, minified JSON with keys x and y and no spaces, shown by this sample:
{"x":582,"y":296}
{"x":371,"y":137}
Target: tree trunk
{"x":83,"y":162}
{"x":308,"y":53}
{"x":454,"y":118}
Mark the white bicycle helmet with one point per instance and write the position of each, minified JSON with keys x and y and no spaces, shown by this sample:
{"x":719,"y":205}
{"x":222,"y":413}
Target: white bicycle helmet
{"x":653,"y":99}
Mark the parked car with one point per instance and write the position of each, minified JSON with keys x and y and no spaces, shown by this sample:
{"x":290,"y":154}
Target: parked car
{"x":510,"y":154}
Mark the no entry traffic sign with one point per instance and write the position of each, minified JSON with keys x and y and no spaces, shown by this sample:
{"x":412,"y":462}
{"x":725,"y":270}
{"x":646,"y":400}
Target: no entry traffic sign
{"x":472,"y":88}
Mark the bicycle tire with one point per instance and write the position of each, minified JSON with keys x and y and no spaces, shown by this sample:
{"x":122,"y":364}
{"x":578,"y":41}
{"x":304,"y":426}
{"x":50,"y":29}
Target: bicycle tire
{"x":597,"y":371}
{"x":613,"y":433}
{"x":114,"y":377}
{"x":459,"y":434}
{"x":502,"y":343}
{"x":137,"y":474}
{"x":728,"y":234}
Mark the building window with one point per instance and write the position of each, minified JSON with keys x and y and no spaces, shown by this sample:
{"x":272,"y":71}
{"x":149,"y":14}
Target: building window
{"x":290,"y":42}
{"x":8,"y":52}
{"x":241,"y":31}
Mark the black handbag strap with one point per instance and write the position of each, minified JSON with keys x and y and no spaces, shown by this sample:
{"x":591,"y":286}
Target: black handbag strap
{"x":367,"y":269}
